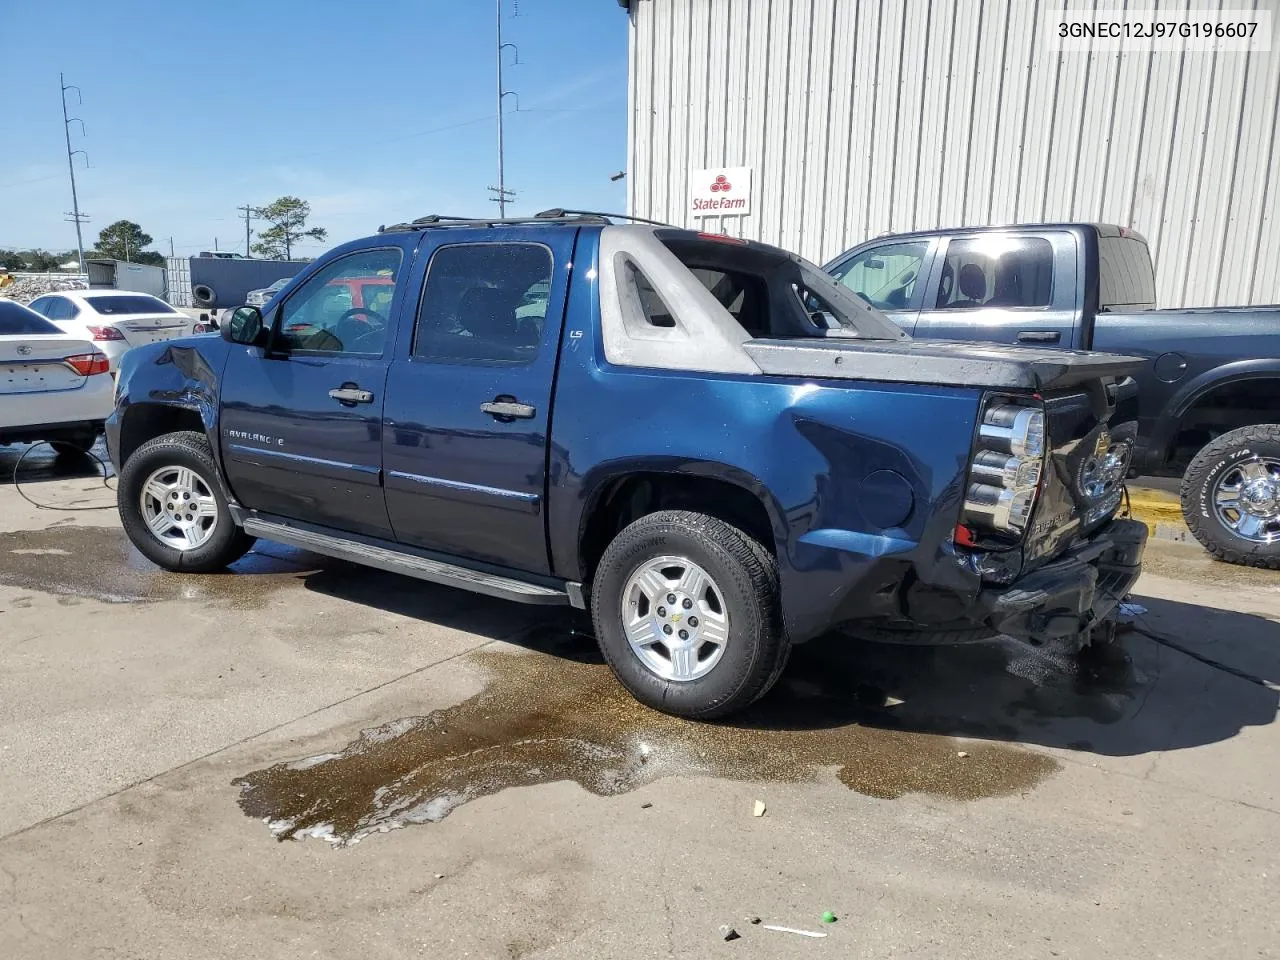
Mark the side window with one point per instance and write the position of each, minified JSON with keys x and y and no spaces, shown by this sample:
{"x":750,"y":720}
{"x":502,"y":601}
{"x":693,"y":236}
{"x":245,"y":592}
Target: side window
{"x":886,"y":277}
{"x":1125,"y":274}
{"x":40,"y":305}
{"x":344,"y":308}
{"x":484,"y":302}
{"x":60,"y":308}
{"x":997,"y":271}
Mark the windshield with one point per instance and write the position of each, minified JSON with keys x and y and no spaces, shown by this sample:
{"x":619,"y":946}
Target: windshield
{"x":134,"y":303}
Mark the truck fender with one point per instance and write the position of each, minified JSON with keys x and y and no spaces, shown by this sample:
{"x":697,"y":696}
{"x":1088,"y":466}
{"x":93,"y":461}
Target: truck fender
{"x":598,"y":481}
{"x":1195,"y":389}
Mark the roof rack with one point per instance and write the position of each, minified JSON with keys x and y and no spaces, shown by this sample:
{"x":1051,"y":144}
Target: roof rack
{"x":554,"y":215}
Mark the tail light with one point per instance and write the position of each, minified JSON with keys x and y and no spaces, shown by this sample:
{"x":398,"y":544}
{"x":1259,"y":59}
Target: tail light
{"x":87,"y":364}
{"x":106,"y":333}
{"x":1005,"y":469}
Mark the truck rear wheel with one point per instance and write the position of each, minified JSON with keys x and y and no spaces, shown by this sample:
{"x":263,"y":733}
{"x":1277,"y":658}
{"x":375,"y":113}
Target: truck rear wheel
{"x":687,"y":613}
{"x":172,"y":506}
{"x":1231,"y":496}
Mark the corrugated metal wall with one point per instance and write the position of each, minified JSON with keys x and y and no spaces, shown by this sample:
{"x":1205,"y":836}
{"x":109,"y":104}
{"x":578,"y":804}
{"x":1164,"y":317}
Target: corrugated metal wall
{"x":861,"y":117}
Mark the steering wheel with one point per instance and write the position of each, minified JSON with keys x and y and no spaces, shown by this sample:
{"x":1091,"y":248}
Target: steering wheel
{"x":370,"y":315}
{"x":357,"y":325}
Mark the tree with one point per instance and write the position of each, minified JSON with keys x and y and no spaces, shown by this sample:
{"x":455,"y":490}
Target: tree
{"x":288,"y":219}
{"x":12,"y":260}
{"x":123,"y":240}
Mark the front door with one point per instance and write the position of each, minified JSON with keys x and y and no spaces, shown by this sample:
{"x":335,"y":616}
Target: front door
{"x":301,"y":423}
{"x":469,"y":398}
{"x":890,"y":276}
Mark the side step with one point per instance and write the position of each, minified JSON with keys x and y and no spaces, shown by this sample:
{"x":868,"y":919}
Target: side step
{"x":409,"y":564}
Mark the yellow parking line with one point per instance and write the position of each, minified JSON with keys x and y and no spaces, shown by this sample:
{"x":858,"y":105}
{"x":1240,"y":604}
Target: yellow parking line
{"x":1154,"y":506}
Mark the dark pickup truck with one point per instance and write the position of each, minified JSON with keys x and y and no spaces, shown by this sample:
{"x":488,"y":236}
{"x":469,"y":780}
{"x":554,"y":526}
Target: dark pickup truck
{"x":709,"y":443}
{"x":1208,"y":400}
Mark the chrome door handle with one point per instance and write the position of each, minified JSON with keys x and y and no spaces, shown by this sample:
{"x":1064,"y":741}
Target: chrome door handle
{"x":1039,"y":336}
{"x":508,"y":409}
{"x":351,"y":394}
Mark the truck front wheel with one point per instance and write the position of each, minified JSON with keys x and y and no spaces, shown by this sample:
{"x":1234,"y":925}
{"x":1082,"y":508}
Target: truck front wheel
{"x":686,"y":609}
{"x":172,"y":507}
{"x":1231,"y":496}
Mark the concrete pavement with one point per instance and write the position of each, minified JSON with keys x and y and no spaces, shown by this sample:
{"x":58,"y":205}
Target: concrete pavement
{"x":509,"y":802}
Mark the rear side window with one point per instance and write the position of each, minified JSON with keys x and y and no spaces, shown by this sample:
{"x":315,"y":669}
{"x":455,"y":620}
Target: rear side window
{"x":1125,"y":274}
{"x":16,"y":319}
{"x":484,"y":302}
{"x":57,"y":308}
{"x":997,"y":271}
{"x":126,"y":305}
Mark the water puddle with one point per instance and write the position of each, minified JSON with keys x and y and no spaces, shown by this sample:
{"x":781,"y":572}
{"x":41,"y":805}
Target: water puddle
{"x":101,"y":563}
{"x":549,"y":718}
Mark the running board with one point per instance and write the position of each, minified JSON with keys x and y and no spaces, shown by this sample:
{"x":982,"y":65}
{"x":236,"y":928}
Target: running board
{"x":409,"y":564}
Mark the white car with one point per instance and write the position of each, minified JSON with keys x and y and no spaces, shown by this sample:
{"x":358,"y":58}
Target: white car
{"x":114,"y":320}
{"x":53,"y":386}
{"x":260,"y":298}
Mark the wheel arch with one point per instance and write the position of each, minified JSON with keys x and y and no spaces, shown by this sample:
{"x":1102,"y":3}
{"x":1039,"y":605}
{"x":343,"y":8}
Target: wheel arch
{"x":625,"y":495}
{"x":141,"y":422}
{"x":1199,"y":393}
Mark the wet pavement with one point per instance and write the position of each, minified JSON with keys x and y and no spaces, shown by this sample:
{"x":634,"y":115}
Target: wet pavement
{"x":157,"y":730}
{"x":545,"y":718}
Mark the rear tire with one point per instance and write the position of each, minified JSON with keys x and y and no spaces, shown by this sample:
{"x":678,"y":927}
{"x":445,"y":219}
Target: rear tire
{"x":1248,"y":534}
{"x":215,"y":545}
{"x":732,"y":656}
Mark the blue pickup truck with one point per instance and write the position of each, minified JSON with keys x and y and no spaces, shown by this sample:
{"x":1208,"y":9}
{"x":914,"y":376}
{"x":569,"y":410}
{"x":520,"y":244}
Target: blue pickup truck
{"x":708,"y":443}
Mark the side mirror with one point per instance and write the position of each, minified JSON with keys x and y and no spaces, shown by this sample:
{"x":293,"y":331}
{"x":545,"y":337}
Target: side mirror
{"x":245,"y":327}
{"x":874,"y":264}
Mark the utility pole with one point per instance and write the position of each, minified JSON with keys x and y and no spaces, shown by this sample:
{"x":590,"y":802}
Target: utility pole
{"x":502,"y":194}
{"x":75,"y":214}
{"x":126,"y":251}
{"x":171,"y":253}
{"x":249,"y":213}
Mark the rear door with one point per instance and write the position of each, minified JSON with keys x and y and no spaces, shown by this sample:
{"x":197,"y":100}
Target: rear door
{"x":891,"y":276}
{"x":469,"y":395}
{"x":301,"y":423}
{"x":1015,"y":288}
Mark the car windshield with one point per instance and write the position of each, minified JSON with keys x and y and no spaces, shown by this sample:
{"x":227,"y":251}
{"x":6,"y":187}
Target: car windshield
{"x":134,"y":303}
{"x":15,"y":319}
{"x":278,"y":285}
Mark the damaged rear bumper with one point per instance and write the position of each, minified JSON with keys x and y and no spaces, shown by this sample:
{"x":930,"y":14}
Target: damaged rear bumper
{"x":1073,"y":593}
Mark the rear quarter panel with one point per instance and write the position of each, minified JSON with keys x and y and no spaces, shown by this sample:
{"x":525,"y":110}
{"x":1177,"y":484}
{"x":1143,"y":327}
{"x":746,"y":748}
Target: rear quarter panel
{"x":1189,"y":353}
{"x":814,"y":453}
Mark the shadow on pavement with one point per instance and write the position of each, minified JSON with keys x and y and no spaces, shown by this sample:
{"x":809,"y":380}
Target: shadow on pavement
{"x":999,"y":691}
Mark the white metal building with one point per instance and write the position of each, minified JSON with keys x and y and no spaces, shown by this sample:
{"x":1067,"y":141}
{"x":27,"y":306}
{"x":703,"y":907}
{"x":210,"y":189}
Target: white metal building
{"x":861,"y":117}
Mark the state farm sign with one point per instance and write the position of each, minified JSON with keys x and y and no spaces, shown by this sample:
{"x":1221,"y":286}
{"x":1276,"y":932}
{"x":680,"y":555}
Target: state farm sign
{"x":720,"y":192}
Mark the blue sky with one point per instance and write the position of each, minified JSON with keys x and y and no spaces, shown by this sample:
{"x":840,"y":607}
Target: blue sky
{"x":374,"y":112}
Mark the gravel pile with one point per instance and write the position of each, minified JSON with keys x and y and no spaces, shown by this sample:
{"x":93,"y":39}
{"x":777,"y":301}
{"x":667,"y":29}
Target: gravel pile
{"x":27,"y":286}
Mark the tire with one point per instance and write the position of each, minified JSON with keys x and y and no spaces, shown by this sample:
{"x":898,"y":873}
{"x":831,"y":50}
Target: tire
{"x":742,"y":582}
{"x":222,"y":541}
{"x":204,"y":295}
{"x":1256,"y":448}
{"x":75,"y":444}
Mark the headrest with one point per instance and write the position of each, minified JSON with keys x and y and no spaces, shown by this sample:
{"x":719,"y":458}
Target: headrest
{"x":973,"y":282}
